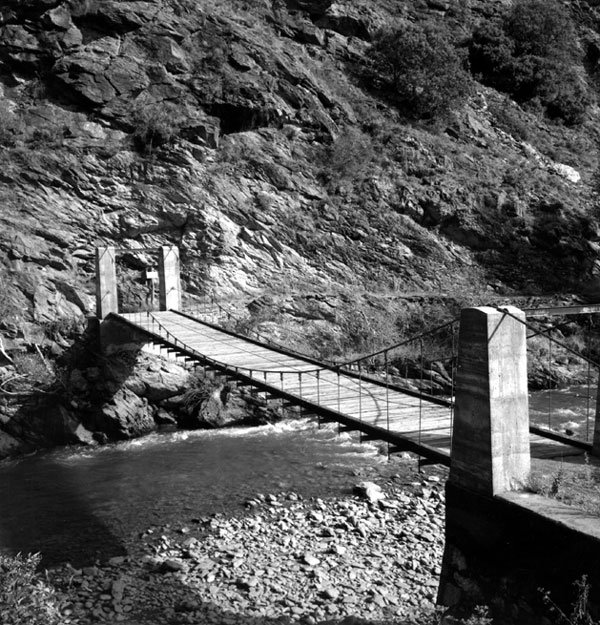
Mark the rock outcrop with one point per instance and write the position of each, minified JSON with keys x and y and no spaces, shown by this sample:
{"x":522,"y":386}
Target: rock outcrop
{"x":129,"y":396}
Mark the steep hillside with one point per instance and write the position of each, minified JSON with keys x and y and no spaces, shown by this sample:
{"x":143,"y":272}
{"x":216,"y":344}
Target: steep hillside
{"x":247,"y":134}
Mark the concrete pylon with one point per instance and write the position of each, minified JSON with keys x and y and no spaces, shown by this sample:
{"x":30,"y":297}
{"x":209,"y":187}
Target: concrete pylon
{"x":169,"y":283}
{"x":490,"y":442}
{"x":106,"y":282}
{"x":596,"y":441}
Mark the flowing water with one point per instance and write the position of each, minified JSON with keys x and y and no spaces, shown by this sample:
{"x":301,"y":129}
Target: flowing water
{"x":570,"y":410}
{"x":80,"y":504}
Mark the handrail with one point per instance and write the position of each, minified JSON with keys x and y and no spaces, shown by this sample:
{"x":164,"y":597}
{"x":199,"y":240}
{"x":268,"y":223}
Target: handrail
{"x":326,"y":366}
{"x":401,"y":343}
{"x":191,"y":349}
{"x":261,"y":337}
{"x":335,"y":369}
{"x":550,"y":338}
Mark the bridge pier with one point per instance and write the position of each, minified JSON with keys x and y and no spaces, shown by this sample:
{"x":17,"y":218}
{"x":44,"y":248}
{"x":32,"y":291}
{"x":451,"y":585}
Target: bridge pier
{"x":596,"y":440}
{"x":503,"y":543}
{"x":490,"y":442}
{"x":490,"y":450}
{"x":169,"y":288}
{"x":106,"y":282}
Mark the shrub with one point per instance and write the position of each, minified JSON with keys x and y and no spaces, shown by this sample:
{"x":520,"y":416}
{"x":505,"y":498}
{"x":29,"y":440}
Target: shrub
{"x":156,"y":126}
{"x":33,"y":371}
{"x":24,"y":598}
{"x":580,"y":608}
{"x":200,"y":389}
{"x":350,"y":156}
{"x":11,"y":126}
{"x":421,"y":68}
{"x":532,"y":55}
{"x":541,"y":28}
{"x":507,"y":117}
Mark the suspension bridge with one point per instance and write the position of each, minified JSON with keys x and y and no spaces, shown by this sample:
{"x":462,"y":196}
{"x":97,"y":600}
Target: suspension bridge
{"x":368,"y":395}
{"x":373,"y":405}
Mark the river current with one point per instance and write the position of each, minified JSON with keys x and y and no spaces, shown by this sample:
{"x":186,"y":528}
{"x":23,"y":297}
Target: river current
{"x":81,"y":504}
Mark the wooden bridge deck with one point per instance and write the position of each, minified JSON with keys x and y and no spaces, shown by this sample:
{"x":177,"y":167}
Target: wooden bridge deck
{"x":407,"y":422}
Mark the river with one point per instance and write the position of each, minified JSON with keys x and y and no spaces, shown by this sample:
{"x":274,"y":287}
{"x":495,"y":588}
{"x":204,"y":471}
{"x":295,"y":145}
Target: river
{"x":82,"y":504}
{"x":79,"y":504}
{"x":570,"y":409}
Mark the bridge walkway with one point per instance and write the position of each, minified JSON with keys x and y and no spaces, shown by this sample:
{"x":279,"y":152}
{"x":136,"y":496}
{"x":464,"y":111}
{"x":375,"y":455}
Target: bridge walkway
{"x":406,"y":420}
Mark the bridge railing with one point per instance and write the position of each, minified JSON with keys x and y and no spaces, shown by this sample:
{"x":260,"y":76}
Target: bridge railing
{"x":344,"y":390}
{"x":563,"y":377}
{"x":210,"y":310}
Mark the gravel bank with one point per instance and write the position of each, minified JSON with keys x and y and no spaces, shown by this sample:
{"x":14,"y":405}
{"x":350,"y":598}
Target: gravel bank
{"x":285,"y":560}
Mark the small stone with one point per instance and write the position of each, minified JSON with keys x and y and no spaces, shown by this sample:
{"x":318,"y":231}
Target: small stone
{"x":331,"y":593}
{"x":310,"y":559}
{"x":370,"y":491}
{"x":171,"y":565}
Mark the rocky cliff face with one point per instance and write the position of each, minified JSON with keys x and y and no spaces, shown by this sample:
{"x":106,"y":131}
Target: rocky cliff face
{"x":243,"y":133}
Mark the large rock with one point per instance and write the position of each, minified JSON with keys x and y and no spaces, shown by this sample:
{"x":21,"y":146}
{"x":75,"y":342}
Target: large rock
{"x":125,"y":416}
{"x":98,"y":73}
{"x":116,"y":16}
{"x":158,"y":380}
{"x":349,"y":21}
{"x":9,"y":445}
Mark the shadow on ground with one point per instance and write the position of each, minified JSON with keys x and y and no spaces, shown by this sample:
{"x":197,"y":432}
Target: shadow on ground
{"x":48,"y":513}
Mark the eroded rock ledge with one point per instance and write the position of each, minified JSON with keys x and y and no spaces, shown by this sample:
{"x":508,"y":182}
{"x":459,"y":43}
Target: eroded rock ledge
{"x":123,"y":397}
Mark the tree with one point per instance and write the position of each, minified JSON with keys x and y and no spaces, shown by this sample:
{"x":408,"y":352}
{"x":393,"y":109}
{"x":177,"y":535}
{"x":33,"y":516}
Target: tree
{"x":421,"y":68}
{"x":542,"y":28}
{"x":532,"y":55}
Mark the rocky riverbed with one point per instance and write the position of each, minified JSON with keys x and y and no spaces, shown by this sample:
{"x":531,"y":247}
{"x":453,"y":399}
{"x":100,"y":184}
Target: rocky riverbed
{"x":372,"y":556}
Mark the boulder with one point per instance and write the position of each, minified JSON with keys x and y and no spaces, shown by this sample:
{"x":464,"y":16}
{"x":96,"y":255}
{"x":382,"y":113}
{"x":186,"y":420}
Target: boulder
{"x":96,"y":75}
{"x":83,"y":76}
{"x":19,"y":46}
{"x":568,"y":172}
{"x":118,"y":17}
{"x":156,"y":383}
{"x":58,"y":17}
{"x":349,"y":21}
{"x":9,"y":445}
{"x":125,"y":416}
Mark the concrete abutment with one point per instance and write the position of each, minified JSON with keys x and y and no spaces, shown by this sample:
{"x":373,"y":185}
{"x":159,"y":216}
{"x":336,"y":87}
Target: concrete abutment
{"x":502,"y":543}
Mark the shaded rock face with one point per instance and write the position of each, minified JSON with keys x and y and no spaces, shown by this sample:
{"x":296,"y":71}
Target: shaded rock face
{"x":131,"y":394}
{"x":283,"y":170}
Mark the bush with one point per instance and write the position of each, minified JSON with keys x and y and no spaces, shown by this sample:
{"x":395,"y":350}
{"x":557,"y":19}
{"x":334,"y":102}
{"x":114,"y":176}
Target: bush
{"x":33,"y":372}
{"x":541,"y":28}
{"x":532,"y":55}
{"x":156,"y":126}
{"x":11,"y":126}
{"x":350,"y":156}
{"x":507,"y":117}
{"x":24,"y":598}
{"x":421,"y":68}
